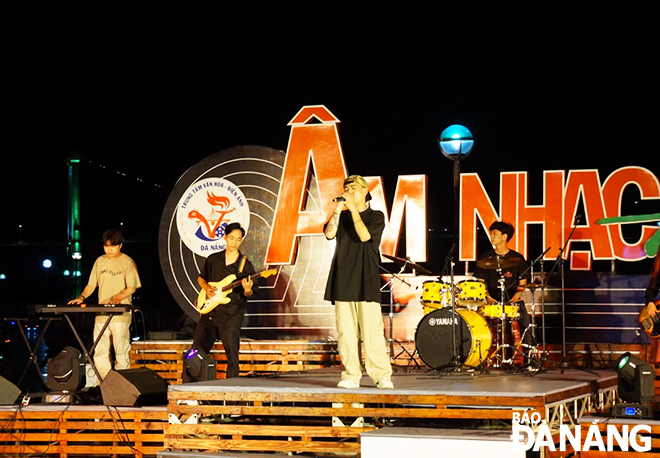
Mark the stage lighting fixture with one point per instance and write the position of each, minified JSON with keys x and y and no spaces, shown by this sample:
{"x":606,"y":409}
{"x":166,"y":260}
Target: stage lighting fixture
{"x":456,"y":142}
{"x":635,"y":379}
{"x":66,"y":371}
{"x":198,"y":366}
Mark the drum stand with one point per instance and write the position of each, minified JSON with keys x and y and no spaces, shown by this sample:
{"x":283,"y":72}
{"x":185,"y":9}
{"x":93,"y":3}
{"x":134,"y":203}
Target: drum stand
{"x":531,"y":348}
{"x":498,"y":358}
{"x":455,"y":359}
{"x":390,"y":285}
{"x":533,"y":357}
{"x":560,"y":262}
{"x":456,"y":364}
{"x":543,"y":358}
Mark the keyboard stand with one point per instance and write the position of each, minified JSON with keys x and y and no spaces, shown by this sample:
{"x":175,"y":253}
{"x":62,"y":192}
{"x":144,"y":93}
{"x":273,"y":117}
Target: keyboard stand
{"x":33,"y":360}
{"x":110,"y":311}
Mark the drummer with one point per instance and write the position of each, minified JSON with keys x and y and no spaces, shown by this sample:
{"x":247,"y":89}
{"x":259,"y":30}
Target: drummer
{"x":511,"y":266}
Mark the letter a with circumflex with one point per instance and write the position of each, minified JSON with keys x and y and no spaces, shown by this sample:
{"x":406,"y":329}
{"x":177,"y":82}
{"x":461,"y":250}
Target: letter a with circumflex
{"x":313,"y":145}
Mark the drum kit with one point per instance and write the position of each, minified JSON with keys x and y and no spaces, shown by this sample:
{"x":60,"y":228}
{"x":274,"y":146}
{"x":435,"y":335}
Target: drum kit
{"x":462,"y":329}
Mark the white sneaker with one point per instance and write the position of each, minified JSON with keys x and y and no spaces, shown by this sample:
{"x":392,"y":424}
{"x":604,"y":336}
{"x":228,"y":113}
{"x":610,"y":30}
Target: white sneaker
{"x":348,"y":384}
{"x":385,"y":384}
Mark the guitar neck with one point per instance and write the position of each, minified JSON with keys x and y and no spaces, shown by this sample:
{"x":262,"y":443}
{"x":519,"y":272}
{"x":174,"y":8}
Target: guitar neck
{"x":234,"y":284}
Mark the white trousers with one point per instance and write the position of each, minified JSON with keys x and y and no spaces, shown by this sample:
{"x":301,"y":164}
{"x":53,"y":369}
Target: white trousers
{"x":118,"y":334}
{"x":362,"y":321}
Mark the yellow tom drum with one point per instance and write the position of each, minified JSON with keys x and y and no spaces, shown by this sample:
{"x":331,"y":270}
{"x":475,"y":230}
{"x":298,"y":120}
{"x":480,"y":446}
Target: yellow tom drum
{"x":436,"y":295}
{"x":495,"y":311}
{"x":471,"y":293}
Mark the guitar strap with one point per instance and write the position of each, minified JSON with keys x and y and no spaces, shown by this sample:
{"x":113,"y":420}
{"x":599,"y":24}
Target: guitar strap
{"x":241,"y":265}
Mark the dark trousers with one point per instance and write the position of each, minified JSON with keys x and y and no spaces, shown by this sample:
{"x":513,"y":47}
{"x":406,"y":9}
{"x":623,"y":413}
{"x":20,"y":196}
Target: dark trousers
{"x":224,"y":322}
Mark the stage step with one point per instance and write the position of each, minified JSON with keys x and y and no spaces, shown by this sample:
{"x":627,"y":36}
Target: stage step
{"x":458,"y":443}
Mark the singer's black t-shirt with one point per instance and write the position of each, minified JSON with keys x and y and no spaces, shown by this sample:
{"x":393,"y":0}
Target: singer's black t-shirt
{"x":354,"y":274}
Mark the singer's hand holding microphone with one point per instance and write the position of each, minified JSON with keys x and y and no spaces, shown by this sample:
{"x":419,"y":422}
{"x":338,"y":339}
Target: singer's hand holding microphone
{"x":345,"y":201}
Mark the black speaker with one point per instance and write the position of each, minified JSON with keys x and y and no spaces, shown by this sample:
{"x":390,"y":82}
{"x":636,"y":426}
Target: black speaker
{"x":8,"y":392}
{"x":134,"y":388}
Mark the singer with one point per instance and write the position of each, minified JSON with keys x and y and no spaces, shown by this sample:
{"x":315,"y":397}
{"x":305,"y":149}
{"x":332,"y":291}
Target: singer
{"x":354,"y":285}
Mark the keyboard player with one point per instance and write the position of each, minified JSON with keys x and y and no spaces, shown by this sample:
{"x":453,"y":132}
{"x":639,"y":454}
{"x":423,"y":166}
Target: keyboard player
{"x":116,"y":276}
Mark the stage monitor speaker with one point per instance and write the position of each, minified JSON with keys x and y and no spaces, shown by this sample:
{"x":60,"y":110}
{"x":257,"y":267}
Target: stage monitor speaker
{"x":134,"y":388}
{"x":8,"y":392}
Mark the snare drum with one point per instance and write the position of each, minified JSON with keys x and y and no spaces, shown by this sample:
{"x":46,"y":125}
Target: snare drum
{"x":495,"y":311}
{"x":436,"y":295}
{"x":471,"y":293}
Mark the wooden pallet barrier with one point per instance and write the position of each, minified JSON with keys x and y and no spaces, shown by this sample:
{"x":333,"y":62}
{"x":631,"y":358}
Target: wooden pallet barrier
{"x":311,"y":422}
{"x":256,"y":357}
{"x":54,"y":430}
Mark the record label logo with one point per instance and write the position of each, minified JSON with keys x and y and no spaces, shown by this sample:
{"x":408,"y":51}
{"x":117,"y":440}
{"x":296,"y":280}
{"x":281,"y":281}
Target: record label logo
{"x":205,"y":209}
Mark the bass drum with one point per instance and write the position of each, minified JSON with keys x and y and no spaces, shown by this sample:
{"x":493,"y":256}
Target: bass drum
{"x":433,"y":338}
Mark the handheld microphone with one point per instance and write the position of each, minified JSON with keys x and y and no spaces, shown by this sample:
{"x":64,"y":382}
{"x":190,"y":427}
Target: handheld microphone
{"x":578,"y":219}
{"x":339,"y":199}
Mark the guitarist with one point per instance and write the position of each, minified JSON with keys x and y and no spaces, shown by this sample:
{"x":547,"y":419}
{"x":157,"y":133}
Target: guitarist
{"x":653,"y":288}
{"x":225,"y":320}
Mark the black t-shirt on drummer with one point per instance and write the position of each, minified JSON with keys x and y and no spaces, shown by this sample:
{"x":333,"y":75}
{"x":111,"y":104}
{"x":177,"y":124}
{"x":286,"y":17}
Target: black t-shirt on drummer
{"x":511,"y":275}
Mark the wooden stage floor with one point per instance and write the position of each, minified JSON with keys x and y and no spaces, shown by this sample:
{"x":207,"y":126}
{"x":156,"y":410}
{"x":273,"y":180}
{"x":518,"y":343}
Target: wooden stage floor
{"x":306,"y":412}
{"x":552,"y":384}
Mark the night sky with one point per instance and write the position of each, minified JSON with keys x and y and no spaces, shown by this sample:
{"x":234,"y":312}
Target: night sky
{"x":150,"y":90}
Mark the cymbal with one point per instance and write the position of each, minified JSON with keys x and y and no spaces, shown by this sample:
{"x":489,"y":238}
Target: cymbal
{"x":402,"y":262}
{"x":532,"y":285}
{"x":497,"y":262}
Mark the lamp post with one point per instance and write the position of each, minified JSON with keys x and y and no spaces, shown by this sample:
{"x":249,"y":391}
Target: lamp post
{"x":456,"y":143}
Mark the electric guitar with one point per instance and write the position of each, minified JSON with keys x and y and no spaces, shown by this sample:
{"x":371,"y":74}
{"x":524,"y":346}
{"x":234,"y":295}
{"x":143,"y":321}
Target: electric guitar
{"x":223,"y":288}
{"x":648,"y":324}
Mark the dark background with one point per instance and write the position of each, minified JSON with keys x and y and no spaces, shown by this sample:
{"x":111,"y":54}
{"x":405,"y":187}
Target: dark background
{"x":144,"y":90}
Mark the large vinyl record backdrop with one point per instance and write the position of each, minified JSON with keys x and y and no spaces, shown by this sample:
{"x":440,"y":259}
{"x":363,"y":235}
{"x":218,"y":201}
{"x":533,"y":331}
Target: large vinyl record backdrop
{"x":242,"y":184}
